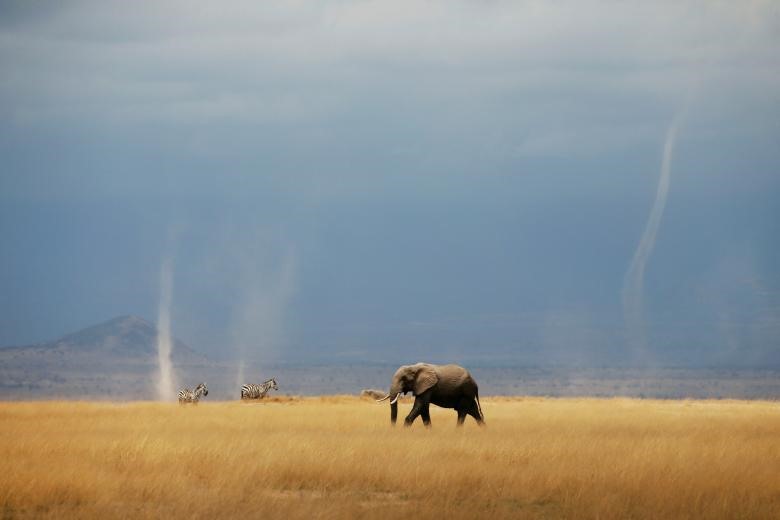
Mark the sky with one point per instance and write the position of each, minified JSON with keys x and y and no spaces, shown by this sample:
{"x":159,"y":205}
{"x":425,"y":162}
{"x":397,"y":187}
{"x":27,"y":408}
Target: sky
{"x":390,"y":181}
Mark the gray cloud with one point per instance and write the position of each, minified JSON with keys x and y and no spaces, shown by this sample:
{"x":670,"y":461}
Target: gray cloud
{"x":276,"y":62}
{"x":428,"y":163}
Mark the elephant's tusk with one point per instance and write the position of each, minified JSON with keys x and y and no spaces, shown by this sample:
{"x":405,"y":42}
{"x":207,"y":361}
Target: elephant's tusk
{"x":396,"y":398}
{"x":384,"y":398}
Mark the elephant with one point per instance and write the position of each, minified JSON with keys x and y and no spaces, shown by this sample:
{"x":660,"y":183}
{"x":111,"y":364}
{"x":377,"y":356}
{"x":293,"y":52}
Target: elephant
{"x":448,"y":386}
{"x":372,"y":393}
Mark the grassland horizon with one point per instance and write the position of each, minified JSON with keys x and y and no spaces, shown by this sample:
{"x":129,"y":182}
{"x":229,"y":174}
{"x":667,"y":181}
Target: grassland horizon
{"x":338,"y":457}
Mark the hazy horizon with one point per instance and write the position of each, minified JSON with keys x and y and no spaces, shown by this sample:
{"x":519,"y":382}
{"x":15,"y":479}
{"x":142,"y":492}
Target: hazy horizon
{"x":575,"y":183}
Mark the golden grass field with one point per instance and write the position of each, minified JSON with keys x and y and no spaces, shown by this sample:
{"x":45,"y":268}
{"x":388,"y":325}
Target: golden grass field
{"x":338,"y":457}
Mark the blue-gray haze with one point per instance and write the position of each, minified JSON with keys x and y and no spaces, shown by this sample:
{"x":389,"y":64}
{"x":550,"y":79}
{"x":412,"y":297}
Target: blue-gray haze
{"x":394,"y":180}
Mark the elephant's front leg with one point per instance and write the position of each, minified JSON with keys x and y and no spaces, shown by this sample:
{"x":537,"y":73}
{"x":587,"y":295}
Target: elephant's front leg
{"x":426,"y":415}
{"x":420,"y":404}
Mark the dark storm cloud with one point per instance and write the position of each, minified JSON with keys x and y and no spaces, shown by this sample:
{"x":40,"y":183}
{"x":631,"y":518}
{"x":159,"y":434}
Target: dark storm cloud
{"x":483,"y":168}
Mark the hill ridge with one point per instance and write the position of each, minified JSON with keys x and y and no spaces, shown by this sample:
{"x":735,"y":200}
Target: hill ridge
{"x":126,"y":336}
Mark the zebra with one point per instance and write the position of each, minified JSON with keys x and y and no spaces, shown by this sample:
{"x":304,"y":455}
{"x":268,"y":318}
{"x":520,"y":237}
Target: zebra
{"x":250,"y":391}
{"x":193,"y":396}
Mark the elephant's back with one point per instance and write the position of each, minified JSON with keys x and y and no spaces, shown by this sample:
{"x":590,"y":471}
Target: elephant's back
{"x":454,"y":379}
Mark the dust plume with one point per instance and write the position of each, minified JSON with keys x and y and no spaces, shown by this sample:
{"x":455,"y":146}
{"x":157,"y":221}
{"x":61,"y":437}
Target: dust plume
{"x":633,"y":282}
{"x":258,"y":324}
{"x":165,"y":386}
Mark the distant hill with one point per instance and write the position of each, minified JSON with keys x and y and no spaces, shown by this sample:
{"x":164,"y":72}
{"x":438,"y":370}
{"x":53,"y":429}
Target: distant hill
{"x":125,"y":338}
{"x":111,"y":358}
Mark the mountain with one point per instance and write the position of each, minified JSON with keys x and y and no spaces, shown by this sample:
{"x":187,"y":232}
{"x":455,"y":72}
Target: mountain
{"x":114,"y":358}
{"x":126,"y":338}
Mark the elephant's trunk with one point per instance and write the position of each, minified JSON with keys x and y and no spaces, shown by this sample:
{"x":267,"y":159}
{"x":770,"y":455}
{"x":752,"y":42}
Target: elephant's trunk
{"x":395,"y":393}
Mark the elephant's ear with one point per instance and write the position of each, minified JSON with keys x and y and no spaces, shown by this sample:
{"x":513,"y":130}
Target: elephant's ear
{"x":425,"y":379}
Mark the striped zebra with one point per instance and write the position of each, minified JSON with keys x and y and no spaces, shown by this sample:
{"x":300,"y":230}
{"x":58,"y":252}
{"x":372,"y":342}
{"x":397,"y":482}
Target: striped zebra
{"x":250,"y":391}
{"x":193,"y":396}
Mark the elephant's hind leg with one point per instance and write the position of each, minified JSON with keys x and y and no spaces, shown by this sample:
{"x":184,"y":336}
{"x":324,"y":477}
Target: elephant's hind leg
{"x":473,"y":411}
{"x":465,"y":404}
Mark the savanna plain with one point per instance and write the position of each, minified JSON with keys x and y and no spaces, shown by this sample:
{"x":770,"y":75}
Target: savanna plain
{"x":338,"y":457}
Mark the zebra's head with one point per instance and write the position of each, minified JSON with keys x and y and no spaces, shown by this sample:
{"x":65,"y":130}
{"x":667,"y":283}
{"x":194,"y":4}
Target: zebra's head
{"x":201,"y":389}
{"x":273,"y":384}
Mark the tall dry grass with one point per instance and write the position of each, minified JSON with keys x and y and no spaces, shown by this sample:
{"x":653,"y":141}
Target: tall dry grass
{"x":339,"y":458}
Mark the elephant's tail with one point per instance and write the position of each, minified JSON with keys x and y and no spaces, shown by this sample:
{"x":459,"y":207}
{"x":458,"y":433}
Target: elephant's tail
{"x":479,"y":407}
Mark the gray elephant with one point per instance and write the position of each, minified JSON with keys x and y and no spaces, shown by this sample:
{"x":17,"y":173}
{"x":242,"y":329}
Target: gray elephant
{"x":448,"y":386}
{"x":373,"y":393}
